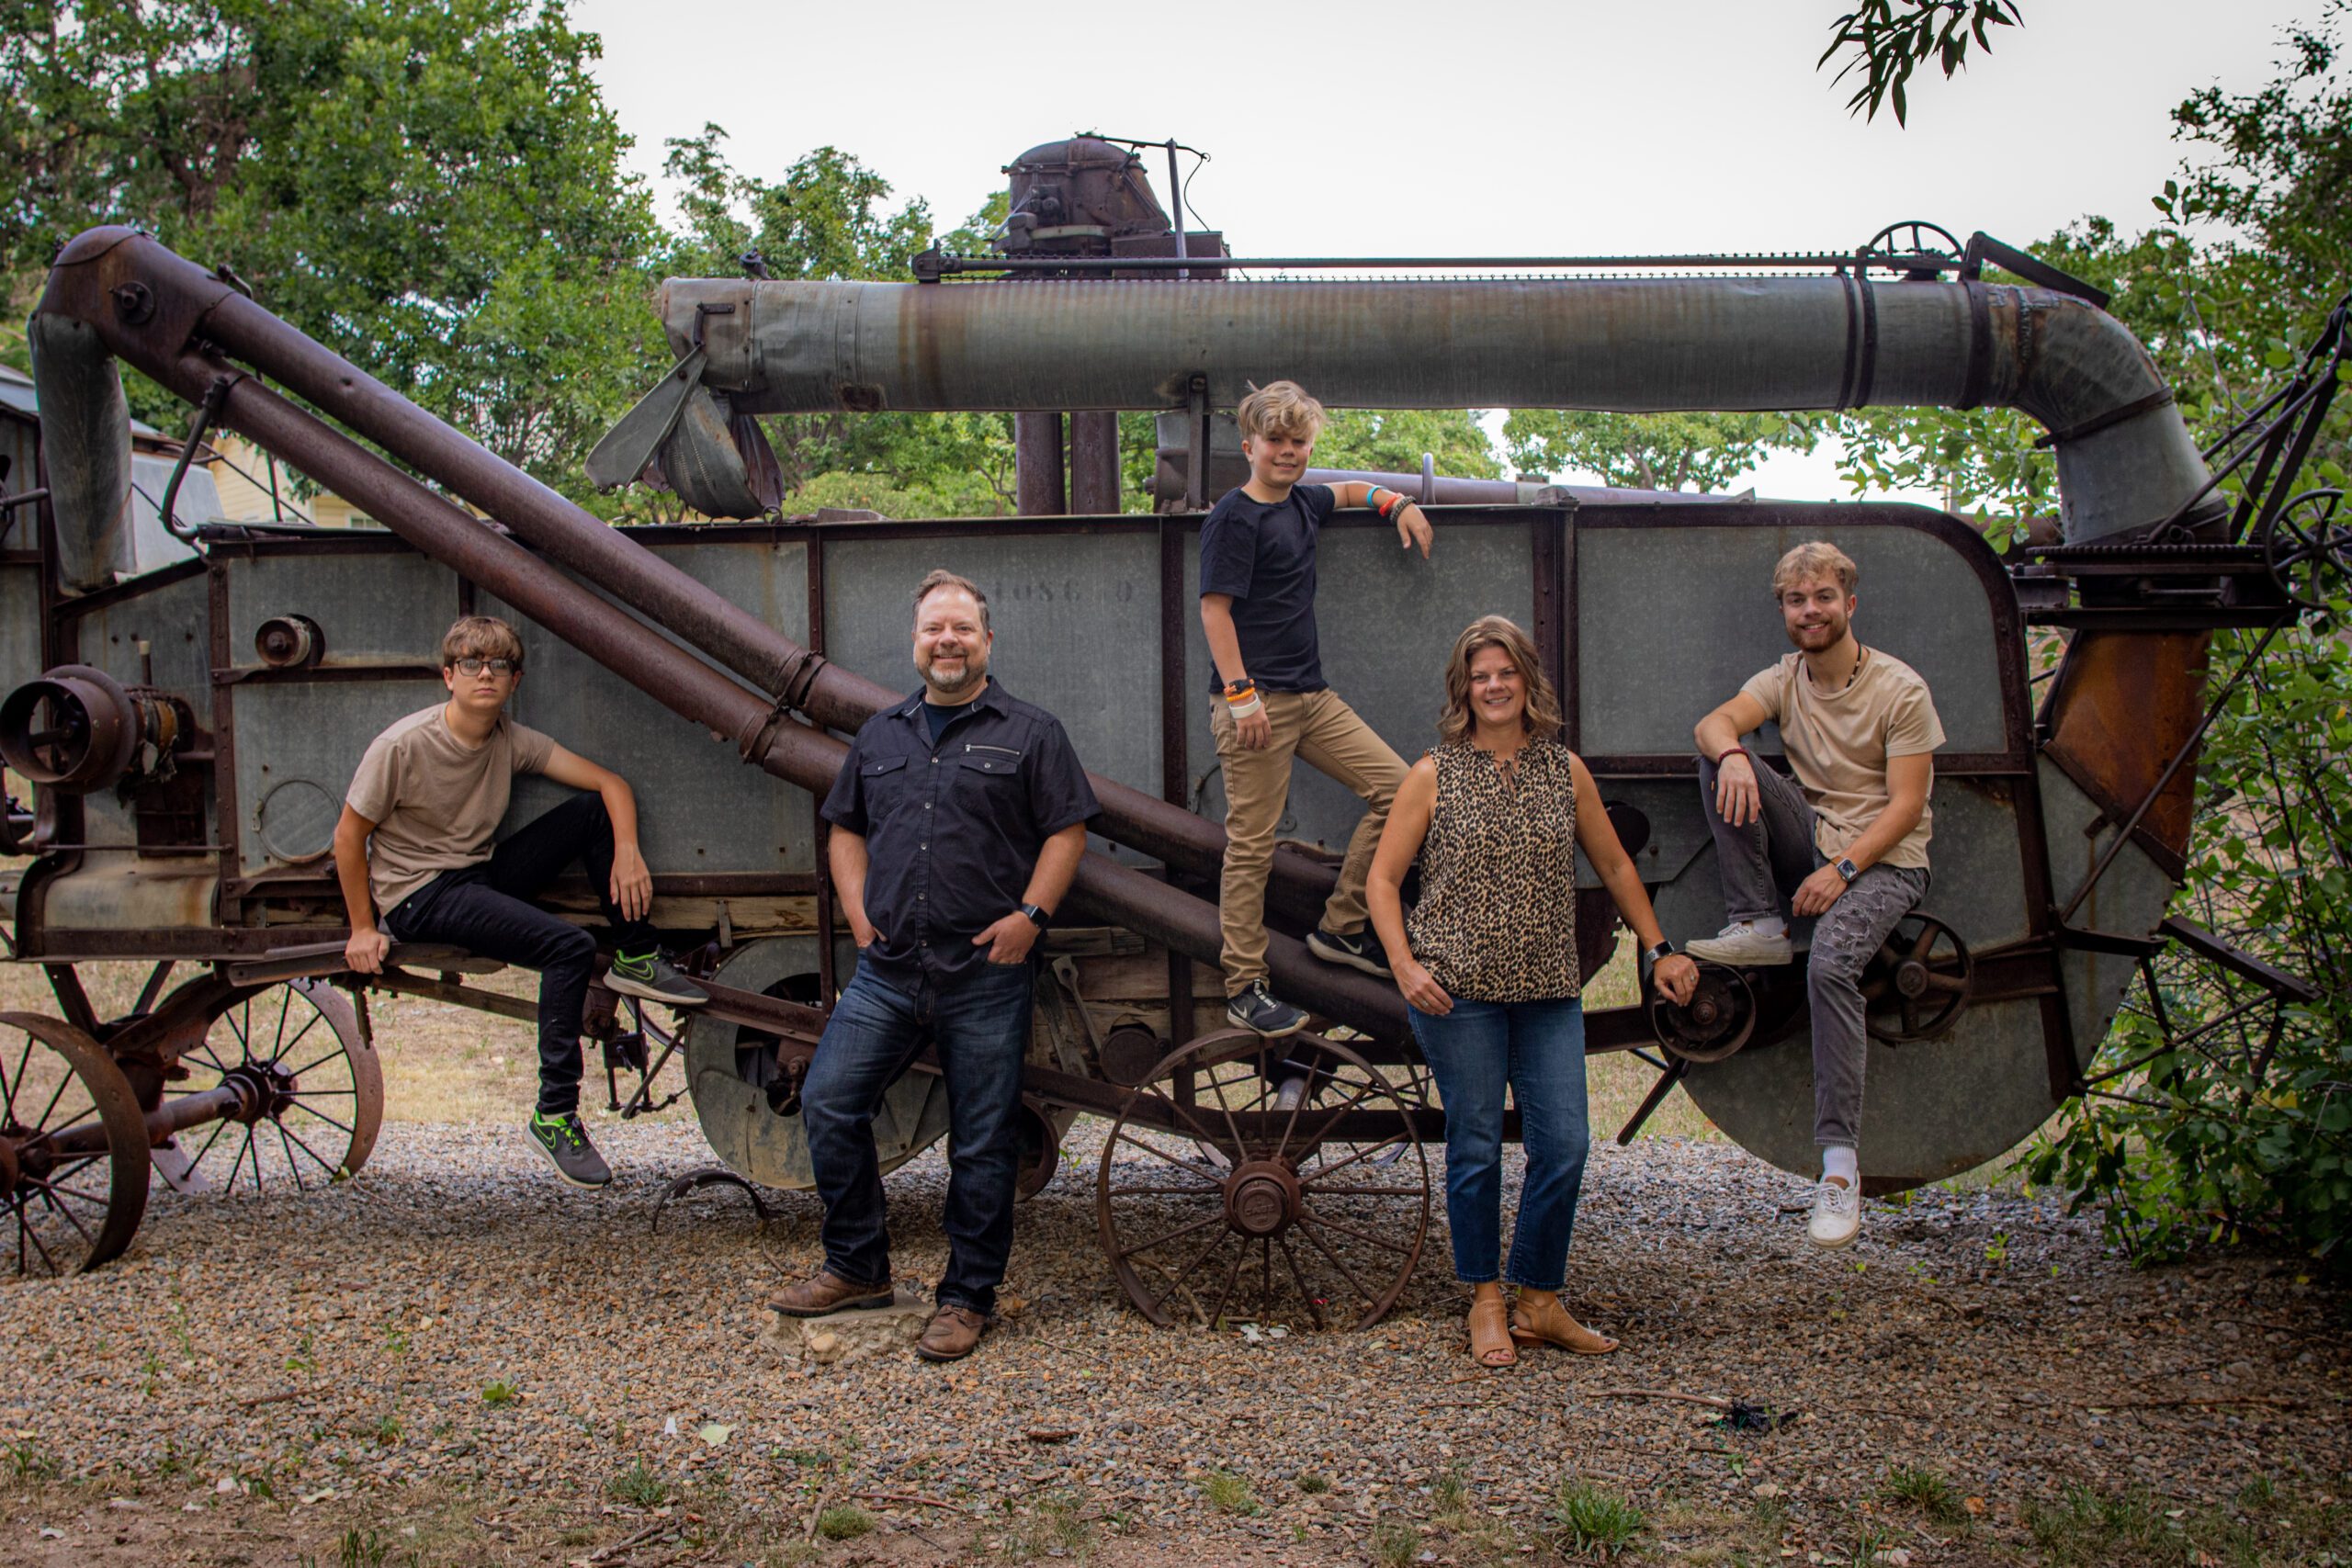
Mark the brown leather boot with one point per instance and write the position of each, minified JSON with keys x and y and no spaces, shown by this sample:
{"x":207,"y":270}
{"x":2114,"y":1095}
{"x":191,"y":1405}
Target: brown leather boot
{"x":952,"y":1333}
{"x":828,"y":1292}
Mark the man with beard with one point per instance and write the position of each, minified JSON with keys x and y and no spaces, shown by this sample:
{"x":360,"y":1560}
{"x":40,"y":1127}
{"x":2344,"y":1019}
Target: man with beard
{"x":1846,"y":843}
{"x":958,"y":819}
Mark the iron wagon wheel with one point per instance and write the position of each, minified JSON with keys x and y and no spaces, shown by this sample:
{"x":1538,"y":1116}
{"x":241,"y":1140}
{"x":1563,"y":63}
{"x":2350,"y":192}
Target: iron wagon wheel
{"x":1291,"y":1182}
{"x":69,"y":1122}
{"x":2307,"y":548}
{"x":1917,"y":982}
{"x":310,"y":1088}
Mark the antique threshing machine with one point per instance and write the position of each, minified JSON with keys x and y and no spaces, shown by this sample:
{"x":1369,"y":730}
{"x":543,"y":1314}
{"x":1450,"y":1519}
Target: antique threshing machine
{"x":187,"y":733}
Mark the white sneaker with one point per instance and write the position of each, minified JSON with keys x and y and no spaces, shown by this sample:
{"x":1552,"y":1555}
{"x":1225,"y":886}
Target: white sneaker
{"x":1742,"y":946}
{"x":1837,"y":1214}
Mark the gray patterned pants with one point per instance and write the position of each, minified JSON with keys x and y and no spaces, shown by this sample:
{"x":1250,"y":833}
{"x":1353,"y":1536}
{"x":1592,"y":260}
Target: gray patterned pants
{"x":1763,"y":865}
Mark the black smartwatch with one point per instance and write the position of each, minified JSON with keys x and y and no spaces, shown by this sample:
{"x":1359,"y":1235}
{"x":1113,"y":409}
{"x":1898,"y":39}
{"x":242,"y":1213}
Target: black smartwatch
{"x":1665,"y":949}
{"x":1037,"y":916}
{"x":1848,"y":870}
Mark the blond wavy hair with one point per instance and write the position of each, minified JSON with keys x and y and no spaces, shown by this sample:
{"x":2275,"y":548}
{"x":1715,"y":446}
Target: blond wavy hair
{"x":1456,"y":723}
{"x":1280,"y":408}
{"x":1812,"y":562}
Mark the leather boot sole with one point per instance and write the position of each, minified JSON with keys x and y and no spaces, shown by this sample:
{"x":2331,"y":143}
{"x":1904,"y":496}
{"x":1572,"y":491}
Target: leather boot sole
{"x":847,"y":1303}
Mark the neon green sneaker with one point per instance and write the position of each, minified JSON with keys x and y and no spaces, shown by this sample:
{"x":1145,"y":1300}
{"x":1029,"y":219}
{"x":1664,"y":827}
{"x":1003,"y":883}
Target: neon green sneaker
{"x":653,"y":977}
{"x":566,"y":1145}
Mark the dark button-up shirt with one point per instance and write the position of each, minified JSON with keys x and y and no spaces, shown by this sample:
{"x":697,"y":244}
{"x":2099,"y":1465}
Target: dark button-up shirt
{"x":953,"y":827}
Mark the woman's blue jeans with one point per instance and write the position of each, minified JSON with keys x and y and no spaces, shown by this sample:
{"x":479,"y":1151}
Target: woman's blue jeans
{"x":1537,"y":1050}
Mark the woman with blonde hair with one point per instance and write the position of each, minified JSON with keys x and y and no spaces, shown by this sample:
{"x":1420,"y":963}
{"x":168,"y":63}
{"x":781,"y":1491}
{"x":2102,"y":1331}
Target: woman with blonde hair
{"x":1487,"y":963}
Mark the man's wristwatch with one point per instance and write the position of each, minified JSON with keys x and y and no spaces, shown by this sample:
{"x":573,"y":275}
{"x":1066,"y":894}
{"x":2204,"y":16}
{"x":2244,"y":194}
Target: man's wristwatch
{"x":1848,"y":870}
{"x":1037,"y":916}
{"x":1665,"y":949}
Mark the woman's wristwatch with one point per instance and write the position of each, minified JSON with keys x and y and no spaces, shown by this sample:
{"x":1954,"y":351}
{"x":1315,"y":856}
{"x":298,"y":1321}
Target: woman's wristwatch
{"x":1665,"y":949}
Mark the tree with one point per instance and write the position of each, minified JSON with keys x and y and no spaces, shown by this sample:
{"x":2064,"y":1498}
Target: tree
{"x":433,"y":188}
{"x":1392,"y":441}
{"x":1887,"y":40}
{"x":1704,"y":452}
{"x":2234,"y":1133}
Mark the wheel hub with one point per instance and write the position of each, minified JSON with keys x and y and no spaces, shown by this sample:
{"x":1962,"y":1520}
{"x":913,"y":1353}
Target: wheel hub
{"x":1262,"y":1198}
{"x":263,"y":1088}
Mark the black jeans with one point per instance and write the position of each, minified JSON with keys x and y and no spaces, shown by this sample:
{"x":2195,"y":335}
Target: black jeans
{"x":484,"y":909}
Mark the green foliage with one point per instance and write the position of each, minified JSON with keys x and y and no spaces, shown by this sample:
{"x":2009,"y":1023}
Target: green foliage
{"x":2235,"y":1132}
{"x":1391,"y":441}
{"x":1228,"y":1492}
{"x":637,"y":1486}
{"x":1395,"y":1543}
{"x":501,"y":1393}
{"x":1889,"y":38}
{"x":1704,"y":452}
{"x":845,"y":1521}
{"x":1595,"y":1520}
{"x":1927,"y":1490}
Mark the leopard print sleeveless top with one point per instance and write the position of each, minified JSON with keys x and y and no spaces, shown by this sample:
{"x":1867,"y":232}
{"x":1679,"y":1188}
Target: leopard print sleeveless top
{"x":1497,"y":920}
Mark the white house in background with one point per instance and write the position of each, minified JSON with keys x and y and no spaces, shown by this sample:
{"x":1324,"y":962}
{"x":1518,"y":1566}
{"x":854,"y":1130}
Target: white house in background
{"x":245,"y":475}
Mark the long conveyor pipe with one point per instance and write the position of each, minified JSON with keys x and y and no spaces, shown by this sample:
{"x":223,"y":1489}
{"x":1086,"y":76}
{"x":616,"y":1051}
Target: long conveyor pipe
{"x":809,"y":758}
{"x":139,"y":297}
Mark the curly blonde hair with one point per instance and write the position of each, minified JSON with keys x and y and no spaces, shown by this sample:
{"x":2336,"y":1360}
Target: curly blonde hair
{"x":1280,"y":408}
{"x":1814,"y":561}
{"x":1456,"y":722}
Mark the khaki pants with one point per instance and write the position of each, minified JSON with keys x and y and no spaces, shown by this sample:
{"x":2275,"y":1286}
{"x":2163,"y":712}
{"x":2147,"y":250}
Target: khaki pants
{"x":1326,"y":734}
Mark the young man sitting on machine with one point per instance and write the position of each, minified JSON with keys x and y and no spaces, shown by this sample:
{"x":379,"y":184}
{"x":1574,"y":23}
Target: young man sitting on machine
{"x":415,"y":844}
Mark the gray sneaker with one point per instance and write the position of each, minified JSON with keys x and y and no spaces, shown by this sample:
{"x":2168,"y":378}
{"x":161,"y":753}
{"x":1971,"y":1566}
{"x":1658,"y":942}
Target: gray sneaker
{"x":1740,"y":945}
{"x":1256,"y":1008}
{"x":653,"y":979}
{"x":566,"y":1145}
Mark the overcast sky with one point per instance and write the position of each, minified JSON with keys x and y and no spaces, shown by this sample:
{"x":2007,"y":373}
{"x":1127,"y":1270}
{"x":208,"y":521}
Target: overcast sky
{"x":1469,"y":128}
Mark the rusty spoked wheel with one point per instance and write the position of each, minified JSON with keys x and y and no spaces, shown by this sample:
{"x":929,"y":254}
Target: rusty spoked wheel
{"x":1291,"y":1186}
{"x":72,"y":1149}
{"x":306,"y":1095}
{"x":1917,"y":982}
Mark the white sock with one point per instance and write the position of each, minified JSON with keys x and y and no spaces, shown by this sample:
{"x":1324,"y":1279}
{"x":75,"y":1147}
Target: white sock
{"x":1837,"y":1164}
{"x":1769,"y":925}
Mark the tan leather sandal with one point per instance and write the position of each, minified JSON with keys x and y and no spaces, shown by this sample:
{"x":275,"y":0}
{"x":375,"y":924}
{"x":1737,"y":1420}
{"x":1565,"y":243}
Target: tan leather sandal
{"x":1491,"y":1335}
{"x":1552,"y":1324}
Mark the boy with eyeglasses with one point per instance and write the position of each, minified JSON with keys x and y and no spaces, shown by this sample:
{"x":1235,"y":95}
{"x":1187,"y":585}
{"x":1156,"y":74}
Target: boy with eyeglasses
{"x":415,"y":843}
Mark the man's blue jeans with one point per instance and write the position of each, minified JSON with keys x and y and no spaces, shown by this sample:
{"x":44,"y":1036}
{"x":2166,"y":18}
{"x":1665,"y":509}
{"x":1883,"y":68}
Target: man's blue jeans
{"x":1536,"y":1048}
{"x":980,"y":1026}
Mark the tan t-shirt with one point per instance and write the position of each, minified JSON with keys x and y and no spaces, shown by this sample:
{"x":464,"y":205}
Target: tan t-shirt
{"x":1839,"y":743}
{"x":436,"y":801}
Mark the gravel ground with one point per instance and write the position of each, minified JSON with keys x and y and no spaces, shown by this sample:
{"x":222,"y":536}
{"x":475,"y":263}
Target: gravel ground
{"x":455,"y":1360}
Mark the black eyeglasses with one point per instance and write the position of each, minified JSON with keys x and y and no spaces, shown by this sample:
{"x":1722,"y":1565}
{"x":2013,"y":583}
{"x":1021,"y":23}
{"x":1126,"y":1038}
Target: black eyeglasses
{"x":495,"y":666}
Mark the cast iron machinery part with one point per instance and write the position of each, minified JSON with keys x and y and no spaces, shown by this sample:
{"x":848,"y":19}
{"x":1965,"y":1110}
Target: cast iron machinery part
{"x":297,"y":1089}
{"x":1290,"y":1183}
{"x":1719,"y":1019}
{"x":68,"y":1121}
{"x":286,"y":642}
{"x":710,"y":1176}
{"x":1918,"y":983}
{"x":2307,"y":548}
{"x":73,"y":729}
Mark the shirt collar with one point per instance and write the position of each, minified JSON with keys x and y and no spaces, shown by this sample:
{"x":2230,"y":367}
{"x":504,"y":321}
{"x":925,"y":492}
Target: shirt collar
{"x":992,"y":697}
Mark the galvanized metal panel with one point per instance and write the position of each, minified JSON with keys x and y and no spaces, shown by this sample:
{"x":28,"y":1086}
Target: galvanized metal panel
{"x":1385,"y":620}
{"x":1672,"y":620}
{"x":374,"y":608}
{"x":1074,"y":616}
{"x":171,"y":618}
{"x":19,"y":624}
{"x":295,"y":736}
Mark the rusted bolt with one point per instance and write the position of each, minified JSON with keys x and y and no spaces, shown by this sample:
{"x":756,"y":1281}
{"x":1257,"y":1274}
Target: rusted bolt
{"x":133,"y":302}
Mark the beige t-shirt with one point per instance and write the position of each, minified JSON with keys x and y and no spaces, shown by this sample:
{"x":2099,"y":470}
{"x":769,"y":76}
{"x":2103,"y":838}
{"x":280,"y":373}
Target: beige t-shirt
{"x":436,"y":801}
{"x":1839,"y":743}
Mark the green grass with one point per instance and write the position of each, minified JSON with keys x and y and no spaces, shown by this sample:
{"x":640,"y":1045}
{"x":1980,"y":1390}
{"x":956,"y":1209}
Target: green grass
{"x":1395,"y":1543}
{"x":637,"y":1486}
{"x":1595,"y":1520}
{"x":1057,"y":1526}
{"x":1926,"y":1490}
{"x":2094,"y":1530}
{"x":1228,"y":1492}
{"x":843,"y":1521}
{"x":501,"y":1393}
{"x":1311,"y":1485}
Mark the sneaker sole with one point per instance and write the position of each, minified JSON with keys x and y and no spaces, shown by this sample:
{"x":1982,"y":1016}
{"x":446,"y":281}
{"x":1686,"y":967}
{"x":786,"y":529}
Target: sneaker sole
{"x":561,"y":1172}
{"x":1263,"y":1033}
{"x":1712,"y":955}
{"x":629,"y":988}
{"x":1847,"y":1240}
{"x":855,"y":1304}
{"x":1371,"y":966}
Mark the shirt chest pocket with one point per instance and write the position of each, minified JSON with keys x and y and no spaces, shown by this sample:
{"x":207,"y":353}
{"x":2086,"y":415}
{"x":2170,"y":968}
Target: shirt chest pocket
{"x":883,"y":785}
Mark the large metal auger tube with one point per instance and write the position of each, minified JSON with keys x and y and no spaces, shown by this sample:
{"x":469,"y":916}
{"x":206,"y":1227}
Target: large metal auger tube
{"x":158,"y":344}
{"x":115,"y":289}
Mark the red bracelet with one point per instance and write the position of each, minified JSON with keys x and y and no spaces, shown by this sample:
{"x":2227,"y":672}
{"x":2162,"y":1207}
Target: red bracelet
{"x":1729,"y":750}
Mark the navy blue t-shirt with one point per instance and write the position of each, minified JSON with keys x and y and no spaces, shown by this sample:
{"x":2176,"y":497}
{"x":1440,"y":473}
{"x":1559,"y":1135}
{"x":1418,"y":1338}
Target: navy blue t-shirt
{"x":1264,"y":556}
